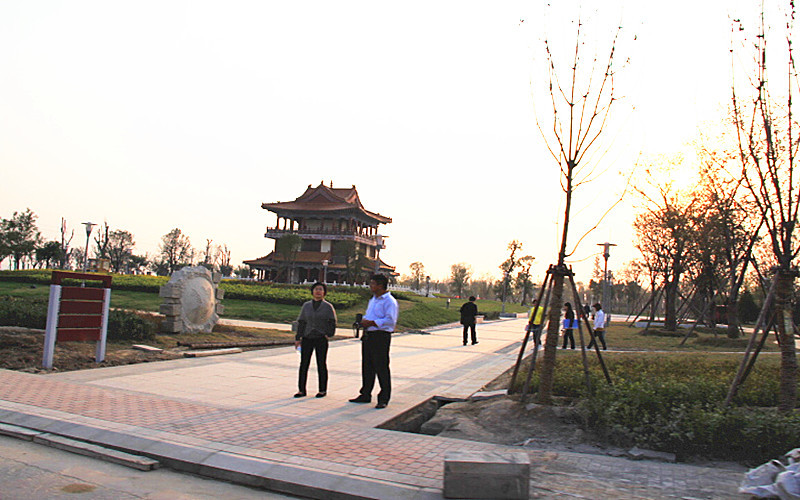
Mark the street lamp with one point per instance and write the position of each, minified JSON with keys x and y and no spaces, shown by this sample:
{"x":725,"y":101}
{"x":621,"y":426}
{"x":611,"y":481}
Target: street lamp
{"x":89,"y":226}
{"x":325,"y":270}
{"x":505,"y":285}
{"x":606,"y":254}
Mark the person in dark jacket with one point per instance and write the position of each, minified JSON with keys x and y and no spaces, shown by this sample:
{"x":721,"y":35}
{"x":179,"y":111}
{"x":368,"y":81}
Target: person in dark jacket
{"x":316,"y":322}
{"x":468,"y":312}
{"x":569,"y":322}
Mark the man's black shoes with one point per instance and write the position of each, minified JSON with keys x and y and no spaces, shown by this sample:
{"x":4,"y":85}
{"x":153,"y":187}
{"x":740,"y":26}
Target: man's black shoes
{"x":360,"y":399}
{"x":380,"y":405}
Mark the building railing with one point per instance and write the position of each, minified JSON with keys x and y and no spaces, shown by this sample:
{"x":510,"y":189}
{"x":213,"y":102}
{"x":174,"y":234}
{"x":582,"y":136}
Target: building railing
{"x":391,"y":287}
{"x":274,"y":231}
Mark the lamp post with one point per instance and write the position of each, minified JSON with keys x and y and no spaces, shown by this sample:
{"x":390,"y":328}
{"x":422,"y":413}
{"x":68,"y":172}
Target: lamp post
{"x":505,"y":286}
{"x":325,"y":270}
{"x":606,"y":254}
{"x":89,"y":226}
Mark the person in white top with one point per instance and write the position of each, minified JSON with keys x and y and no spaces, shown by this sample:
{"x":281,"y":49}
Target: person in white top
{"x":599,"y":326}
{"x":379,"y":322}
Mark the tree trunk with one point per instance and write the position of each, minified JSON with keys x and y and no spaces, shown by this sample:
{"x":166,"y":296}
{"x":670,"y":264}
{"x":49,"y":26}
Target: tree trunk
{"x":670,"y":306}
{"x":788,"y":376}
{"x":546,"y":376}
{"x":733,"y":318}
{"x":653,"y":302}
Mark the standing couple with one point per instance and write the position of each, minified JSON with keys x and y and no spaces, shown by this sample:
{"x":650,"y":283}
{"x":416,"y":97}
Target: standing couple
{"x":317,"y":322}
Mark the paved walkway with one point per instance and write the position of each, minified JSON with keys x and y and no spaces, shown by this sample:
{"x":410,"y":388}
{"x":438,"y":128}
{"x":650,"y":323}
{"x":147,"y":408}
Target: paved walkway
{"x":233,"y":417}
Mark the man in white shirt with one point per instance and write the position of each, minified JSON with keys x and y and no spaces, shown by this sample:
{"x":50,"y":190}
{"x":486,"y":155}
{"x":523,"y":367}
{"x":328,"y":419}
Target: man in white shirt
{"x":379,"y":322}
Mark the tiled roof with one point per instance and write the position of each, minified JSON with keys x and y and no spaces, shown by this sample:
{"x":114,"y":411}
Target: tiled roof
{"x":326,"y":199}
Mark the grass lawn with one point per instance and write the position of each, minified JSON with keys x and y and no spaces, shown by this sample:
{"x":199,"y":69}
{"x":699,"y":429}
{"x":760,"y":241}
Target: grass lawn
{"x":620,"y":336}
{"x":420,"y":312}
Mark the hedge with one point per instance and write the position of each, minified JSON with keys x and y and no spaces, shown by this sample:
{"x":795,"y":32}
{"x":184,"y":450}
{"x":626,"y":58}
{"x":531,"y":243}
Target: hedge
{"x":32,"y":313}
{"x":673,"y":403}
{"x":243,"y":290}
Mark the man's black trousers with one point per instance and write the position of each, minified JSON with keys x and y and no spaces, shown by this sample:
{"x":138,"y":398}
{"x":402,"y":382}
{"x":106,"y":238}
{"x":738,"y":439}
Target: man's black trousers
{"x":375,"y":363}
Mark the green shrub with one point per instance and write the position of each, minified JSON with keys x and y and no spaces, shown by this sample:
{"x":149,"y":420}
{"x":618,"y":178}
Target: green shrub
{"x":673,"y":403}
{"x":24,"y":312}
{"x":128,"y":326}
{"x":32,"y":313}
{"x":286,"y":295}
{"x":340,"y":297}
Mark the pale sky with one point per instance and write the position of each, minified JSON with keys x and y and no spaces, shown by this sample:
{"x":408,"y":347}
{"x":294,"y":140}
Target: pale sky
{"x":155,"y":115}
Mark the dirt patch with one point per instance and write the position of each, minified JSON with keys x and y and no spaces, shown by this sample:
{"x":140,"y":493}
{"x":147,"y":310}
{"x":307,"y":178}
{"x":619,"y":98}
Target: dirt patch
{"x":509,"y":421}
{"x":22,"y":348}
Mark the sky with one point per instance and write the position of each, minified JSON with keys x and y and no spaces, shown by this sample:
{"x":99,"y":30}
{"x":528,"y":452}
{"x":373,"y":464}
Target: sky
{"x":190,"y":114}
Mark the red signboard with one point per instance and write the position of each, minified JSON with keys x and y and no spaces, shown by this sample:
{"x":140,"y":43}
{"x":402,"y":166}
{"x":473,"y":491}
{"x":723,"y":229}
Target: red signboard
{"x":77,"y":312}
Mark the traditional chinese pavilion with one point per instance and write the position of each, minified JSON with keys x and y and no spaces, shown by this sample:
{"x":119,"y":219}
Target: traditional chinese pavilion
{"x":334,"y":227}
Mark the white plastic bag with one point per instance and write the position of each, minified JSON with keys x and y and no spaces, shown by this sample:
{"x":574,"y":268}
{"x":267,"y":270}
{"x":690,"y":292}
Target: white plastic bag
{"x":760,"y":482}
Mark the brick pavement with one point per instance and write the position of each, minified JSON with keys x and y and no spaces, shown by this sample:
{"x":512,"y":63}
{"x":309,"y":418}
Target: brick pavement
{"x":233,"y":417}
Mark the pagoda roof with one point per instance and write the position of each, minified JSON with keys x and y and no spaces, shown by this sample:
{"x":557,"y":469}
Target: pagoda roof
{"x":326,"y":200}
{"x":275,"y":258}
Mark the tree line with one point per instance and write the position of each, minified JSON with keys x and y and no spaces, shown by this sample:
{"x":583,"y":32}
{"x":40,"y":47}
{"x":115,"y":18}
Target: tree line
{"x":23,"y":245}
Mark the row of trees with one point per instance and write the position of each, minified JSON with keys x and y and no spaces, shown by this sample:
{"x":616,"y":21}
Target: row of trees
{"x":708,"y":233}
{"x":22,"y":243}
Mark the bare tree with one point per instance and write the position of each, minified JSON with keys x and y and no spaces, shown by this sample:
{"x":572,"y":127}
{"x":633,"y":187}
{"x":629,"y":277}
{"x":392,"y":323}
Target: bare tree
{"x":209,"y":256}
{"x":101,"y":241}
{"x":768,"y":142}
{"x":224,"y":254}
{"x":65,"y":241}
{"x":579,"y":109}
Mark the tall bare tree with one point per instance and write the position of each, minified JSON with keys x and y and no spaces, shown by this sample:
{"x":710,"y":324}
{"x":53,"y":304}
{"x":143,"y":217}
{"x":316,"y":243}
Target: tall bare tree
{"x":224,"y":254}
{"x":65,"y":241}
{"x":579,"y":107}
{"x":768,"y":142}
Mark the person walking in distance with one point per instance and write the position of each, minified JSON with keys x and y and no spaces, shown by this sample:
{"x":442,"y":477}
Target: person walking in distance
{"x":316,"y":322}
{"x":468,"y":312}
{"x":379,"y":322}
{"x":569,"y":319}
{"x":536,"y":315}
{"x":599,"y":326}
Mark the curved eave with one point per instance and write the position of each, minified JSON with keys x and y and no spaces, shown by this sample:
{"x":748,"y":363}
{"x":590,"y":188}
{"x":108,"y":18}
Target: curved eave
{"x":291,"y":208}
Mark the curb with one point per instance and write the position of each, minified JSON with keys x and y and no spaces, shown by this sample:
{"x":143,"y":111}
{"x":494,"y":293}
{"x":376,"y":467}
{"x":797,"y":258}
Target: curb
{"x":250,"y":471}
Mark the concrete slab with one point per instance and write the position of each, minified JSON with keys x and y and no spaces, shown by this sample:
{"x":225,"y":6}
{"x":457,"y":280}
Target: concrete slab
{"x":94,"y":451}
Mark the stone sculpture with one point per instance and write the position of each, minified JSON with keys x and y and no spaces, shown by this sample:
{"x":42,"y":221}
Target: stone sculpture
{"x":191,"y":301}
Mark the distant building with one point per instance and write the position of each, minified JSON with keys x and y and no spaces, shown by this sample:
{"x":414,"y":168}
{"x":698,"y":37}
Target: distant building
{"x":98,"y":266}
{"x":338,"y":237}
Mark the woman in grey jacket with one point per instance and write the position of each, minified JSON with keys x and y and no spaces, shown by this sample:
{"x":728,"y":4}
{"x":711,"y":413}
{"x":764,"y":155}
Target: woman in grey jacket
{"x":316,"y":322}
